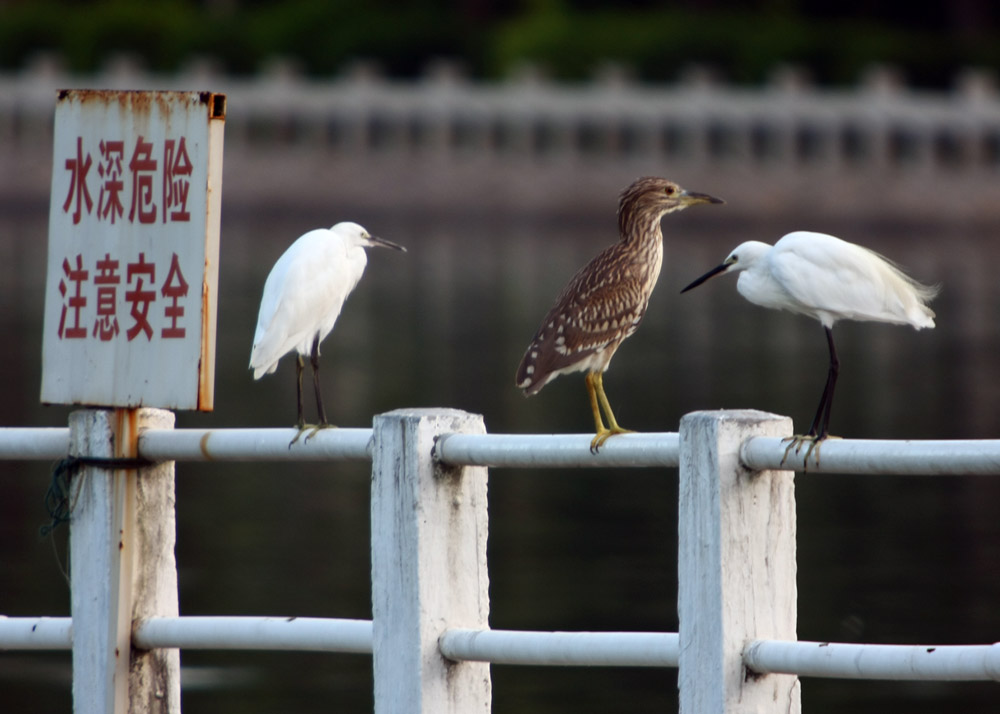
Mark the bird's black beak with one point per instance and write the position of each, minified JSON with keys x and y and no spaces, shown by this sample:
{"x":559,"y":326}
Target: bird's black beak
{"x":383,"y":243}
{"x":710,"y":274}
{"x":691,"y":197}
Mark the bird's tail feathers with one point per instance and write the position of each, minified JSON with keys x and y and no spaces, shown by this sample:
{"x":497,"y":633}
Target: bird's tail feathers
{"x":911,"y":293}
{"x":919,"y":314}
{"x":261,"y":364}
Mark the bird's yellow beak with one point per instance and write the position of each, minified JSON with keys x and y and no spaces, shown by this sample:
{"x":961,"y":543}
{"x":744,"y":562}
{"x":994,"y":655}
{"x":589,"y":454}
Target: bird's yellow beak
{"x":689,"y":198}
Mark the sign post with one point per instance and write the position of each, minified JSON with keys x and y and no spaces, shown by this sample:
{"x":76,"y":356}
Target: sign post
{"x":130,"y":310}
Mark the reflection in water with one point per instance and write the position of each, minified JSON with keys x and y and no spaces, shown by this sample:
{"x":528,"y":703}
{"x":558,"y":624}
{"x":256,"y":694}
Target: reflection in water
{"x":881,"y":559}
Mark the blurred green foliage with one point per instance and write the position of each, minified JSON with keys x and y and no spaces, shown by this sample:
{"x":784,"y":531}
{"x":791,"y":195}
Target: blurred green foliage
{"x":742,"y":41}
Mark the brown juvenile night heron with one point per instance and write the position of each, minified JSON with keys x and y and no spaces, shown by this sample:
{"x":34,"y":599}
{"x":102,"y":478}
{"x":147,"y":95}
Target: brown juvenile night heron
{"x":606,"y":300}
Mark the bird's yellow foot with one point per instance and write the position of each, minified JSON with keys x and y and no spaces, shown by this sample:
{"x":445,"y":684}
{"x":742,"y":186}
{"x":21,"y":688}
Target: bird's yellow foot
{"x":603,"y":435}
{"x":312,"y":429}
{"x":796,"y":442}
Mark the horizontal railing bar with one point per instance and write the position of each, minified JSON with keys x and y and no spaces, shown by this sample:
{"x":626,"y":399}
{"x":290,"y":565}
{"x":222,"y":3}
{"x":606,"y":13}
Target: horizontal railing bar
{"x":36,"y":633}
{"x":887,"y":662}
{"x":255,"y":633}
{"x":255,"y":445}
{"x":878,"y":456}
{"x":853,"y":456}
{"x":33,"y":443}
{"x":610,"y":649}
{"x":557,"y":450}
{"x":591,"y":649}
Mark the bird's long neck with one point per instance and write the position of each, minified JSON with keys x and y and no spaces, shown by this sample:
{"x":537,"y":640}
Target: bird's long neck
{"x":639,"y":221}
{"x":642,"y":237}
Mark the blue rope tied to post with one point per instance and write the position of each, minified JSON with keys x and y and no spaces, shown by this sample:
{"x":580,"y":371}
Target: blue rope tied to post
{"x":60,"y":500}
{"x":58,"y":497}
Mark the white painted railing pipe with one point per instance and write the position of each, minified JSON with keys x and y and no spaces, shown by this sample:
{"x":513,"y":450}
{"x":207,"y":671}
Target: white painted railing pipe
{"x":255,"y":633}
{"x":886,"y":662}
{"x":36,"y":633}
{"x":877,"y":456}
{"x":592,"y":649}
{"x":855,"y":456}
{"x":34,"y":443}
{"x":557,"y":450}
{"x":255,"y":445}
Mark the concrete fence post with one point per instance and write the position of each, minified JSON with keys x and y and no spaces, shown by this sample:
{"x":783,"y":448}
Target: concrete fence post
{"x":736,"y":565}
{"x":429,"y":574}
{"x":122,"y":566}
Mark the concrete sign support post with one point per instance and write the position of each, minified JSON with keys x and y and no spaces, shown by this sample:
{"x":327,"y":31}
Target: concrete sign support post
{"x":122,"y":566}
{"x":130,"y":310}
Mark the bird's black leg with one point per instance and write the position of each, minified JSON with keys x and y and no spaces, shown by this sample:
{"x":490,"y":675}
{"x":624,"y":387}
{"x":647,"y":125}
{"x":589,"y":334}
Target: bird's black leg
{"x":820,"y":429}
{"x":821,"y":422}
{"x":323,"y":423}
{"x":299,"y":367}
{"x":319,"y":393}
{"x":301,"y":425}
{"x":831,"y":383}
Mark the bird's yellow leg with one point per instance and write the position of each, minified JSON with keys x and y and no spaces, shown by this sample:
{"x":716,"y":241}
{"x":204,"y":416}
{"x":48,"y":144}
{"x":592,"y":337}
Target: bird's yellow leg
{"x":596,"y":409}
{"x":595,"y":384}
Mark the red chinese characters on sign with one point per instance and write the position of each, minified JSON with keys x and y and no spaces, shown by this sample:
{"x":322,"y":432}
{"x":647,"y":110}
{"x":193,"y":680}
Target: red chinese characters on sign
{"x":174,"y":287}
{"x":75,"y":302}
{"x":136,"y":182}
{"x":109,"y":202}
{"x":140,"y":294}
{"x":143,"y":166}
{"x":177,"y":169}
{"x":78,"y":198}
{"x":106,"y":280}
{"x":139,"y":298}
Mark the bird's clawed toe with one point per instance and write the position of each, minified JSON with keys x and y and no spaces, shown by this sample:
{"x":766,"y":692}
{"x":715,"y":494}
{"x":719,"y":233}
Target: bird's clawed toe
{"x":602,"y":436}
{"x":310,"y":431}
{"x":317,"y":428}
{"x":796,"y":442}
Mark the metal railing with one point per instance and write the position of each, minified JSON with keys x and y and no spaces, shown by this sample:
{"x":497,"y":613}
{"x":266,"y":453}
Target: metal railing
{"x":730,"y":462}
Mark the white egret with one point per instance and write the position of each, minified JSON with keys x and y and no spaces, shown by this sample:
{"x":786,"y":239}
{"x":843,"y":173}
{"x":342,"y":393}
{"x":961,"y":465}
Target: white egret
{"x":303,"y":296}
{"x":827,"y":279}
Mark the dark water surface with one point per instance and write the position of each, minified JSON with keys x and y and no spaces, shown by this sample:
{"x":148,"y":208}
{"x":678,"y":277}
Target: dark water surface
{"x":881,"y":559}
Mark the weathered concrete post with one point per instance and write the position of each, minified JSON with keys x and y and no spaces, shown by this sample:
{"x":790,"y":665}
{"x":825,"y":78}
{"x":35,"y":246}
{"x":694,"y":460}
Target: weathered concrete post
{"x":122,"y":565}
{"x":736,"y":565}
{"x":429,"y":529}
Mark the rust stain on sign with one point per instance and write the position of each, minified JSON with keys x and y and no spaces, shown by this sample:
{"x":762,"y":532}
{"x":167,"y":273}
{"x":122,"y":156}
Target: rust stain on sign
{"x":205,"y":387}
{"x":140,"y":103}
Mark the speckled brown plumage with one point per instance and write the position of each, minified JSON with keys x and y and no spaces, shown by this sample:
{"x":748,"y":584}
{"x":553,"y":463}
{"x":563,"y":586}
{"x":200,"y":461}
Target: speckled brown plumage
{"x":606,"y":300}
